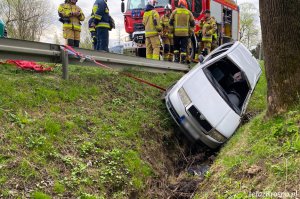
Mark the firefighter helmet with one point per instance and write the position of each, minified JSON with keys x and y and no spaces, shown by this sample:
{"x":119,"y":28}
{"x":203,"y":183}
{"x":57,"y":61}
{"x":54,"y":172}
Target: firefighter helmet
{"x":168,"y":7}
{"x":182,"y":3}
{"x":152,"y":2}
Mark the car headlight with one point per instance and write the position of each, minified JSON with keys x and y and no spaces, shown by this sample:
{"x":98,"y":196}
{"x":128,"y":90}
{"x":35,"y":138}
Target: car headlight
{"x":217,"y":136}
{"x":184,"y":97}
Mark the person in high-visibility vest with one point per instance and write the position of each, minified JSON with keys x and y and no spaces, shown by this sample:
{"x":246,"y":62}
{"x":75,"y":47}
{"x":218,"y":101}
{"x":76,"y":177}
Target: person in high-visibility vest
{"x":215,"y":38}
{"x":167,"y":36}
{"x":200,"y":43}
{"x":208,"y":30}
{"x":182,"y":20}
{"x":71,"y":15}
{"x":103,"y":23}
{"x":92,"y":30}
{"x":152,"y":25}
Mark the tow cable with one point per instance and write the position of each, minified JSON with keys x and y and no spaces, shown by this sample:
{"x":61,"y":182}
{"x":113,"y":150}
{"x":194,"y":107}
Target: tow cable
{"x":83,"y":57}
{"x":30,"y":65}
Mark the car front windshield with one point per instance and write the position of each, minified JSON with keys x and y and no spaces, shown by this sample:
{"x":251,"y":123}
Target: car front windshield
{"x":141,"y":4}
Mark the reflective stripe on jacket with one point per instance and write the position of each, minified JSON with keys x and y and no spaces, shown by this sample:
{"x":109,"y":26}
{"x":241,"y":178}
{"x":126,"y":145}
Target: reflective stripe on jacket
{"x":183,"y":21}
{"x":167,"y":28}
{"x":209,"y":29}
{"x":66,"y":10}
{"x":148,"y":21}
{"x":101,"y":14}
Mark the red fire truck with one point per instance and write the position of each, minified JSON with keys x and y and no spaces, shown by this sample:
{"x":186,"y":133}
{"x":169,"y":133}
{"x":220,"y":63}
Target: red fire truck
{"x":226,"y":13}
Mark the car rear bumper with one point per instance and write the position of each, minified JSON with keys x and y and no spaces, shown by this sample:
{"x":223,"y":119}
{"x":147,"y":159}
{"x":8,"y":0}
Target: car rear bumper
{"x":188,"y":127}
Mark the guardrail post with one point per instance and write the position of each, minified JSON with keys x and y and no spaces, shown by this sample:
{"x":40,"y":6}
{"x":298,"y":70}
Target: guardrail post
{"x":65,"y":63}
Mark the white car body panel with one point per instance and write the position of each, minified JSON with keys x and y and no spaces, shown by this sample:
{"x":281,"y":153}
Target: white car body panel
{"x":244,"y":59}
{"x":207,"y":100}
{"x":216,"y":110}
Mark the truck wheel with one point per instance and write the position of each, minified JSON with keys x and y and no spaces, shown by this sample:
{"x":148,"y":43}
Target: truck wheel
{"x":140,"y":52}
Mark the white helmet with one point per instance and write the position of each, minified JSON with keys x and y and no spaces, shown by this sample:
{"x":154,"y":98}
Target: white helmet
{"x":168,"y":7}
{"x":152,"y":2}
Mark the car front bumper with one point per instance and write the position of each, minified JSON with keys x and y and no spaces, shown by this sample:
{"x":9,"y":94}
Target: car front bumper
{"x":187,"y":125}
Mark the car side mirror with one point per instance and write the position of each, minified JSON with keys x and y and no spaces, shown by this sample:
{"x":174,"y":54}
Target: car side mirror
{"x":122,"y":6}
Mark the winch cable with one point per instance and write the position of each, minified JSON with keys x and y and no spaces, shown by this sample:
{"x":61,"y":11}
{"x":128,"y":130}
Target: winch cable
{"x":83,"y":57}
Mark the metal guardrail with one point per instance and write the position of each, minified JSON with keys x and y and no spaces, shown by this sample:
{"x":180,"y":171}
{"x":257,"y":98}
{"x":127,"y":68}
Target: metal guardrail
{"x":52,"y":53}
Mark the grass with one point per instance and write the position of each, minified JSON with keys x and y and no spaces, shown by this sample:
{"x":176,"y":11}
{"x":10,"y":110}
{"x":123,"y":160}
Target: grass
{"x":98,"y":135}
{"x":262,"y":157}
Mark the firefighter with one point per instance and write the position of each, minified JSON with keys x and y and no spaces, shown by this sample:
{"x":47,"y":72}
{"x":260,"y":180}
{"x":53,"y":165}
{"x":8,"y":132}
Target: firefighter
{"x":167,"y":36}
{"x":200,"y":43}
{"x":92,"y":30}
{"x":103,"y":23}
{"x":152,"y":25}
{"x":214,"y":43}
{"x":71,"y":15}
{"x":182,"y":20}
{"x":208,"y":30}
{"x":189,"y":46}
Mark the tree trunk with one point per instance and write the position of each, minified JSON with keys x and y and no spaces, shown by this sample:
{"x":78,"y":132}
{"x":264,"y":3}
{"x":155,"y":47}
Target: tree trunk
{"x":280,"y":22}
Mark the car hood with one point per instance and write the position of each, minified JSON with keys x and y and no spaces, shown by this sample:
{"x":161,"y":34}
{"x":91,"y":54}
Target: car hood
{"x":211,"y":105}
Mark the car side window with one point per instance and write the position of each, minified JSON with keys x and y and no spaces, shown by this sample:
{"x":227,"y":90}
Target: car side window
{"x":230,"y":82}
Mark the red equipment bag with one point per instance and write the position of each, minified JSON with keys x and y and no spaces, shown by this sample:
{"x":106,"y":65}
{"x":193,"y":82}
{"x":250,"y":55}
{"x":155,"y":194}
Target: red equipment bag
{"x":29,"y":65}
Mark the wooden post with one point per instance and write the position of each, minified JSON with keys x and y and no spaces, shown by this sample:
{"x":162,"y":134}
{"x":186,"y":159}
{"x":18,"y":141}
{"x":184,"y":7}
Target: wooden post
{"x":65,"y":63}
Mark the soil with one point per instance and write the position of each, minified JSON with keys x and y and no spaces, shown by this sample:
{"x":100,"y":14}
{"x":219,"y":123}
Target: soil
{"x":186,"y":169}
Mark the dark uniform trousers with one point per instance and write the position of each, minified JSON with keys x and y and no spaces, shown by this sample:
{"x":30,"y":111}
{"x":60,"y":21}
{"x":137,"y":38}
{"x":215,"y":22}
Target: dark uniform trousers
{"x":102,"y":39}
{"x":180,"y":43}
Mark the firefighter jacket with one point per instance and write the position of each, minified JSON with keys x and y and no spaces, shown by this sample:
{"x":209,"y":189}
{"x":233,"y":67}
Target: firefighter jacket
{"x":183,"y":22}
{"x":91,"y":28}
{"x":66,"y":12}
{"x":151,"y":22}
{"x":101,"y":15}
{"x":167,"y":29}
{"x":209,"y":29}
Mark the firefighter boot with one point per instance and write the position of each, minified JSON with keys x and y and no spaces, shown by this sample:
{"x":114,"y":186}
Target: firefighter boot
{"x":166,"y":57}
{"x":183,"y":58}
{"x":188,"y":59}
{"x":170,"y":57}
{"x":176,"y":56}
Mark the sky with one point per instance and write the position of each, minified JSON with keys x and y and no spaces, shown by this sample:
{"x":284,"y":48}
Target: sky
{"x":115,"y":12}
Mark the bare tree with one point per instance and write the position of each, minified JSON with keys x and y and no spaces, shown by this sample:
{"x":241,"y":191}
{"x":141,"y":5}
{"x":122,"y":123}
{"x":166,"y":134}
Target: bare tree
{"x":281,"y":44}
{"x":26,"y":19}
{"x":57,"y":39}
{"x":249,"y":28}
{"x":86,"y":39}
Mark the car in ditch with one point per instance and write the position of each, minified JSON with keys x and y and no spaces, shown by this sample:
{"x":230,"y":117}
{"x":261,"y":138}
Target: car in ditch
{"x":209,"y":101}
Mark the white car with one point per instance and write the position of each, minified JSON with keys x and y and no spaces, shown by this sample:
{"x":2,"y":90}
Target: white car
{"x":209,"y":101}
